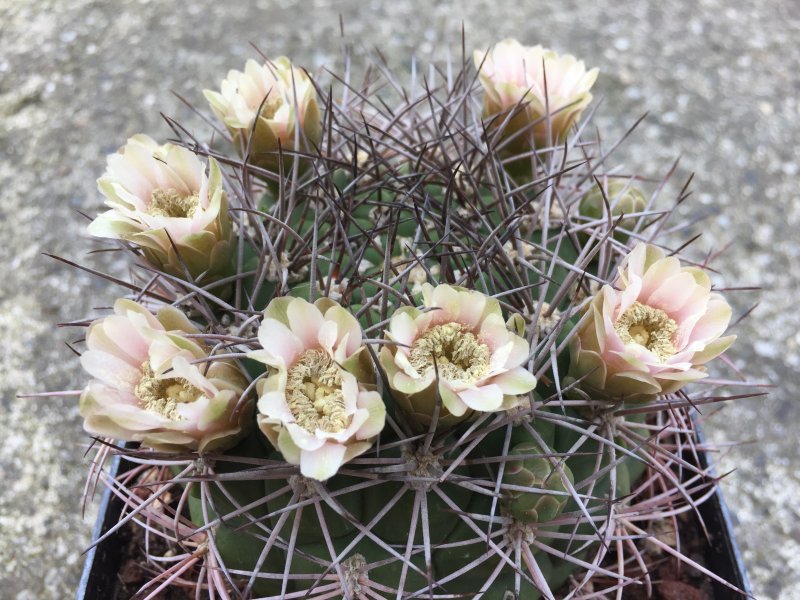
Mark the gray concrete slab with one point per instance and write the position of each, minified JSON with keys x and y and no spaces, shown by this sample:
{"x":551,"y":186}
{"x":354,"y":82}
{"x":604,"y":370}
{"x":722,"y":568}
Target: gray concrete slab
{"x":720,"y":79}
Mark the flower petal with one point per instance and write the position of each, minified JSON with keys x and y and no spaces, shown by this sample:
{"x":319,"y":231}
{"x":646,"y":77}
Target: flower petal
{"x":487,"y":398}
{"x":280,"y":345}
{"x":516,"y":381}
{"x":323,"y":463}
{"x":109,"y":369}
{"x":305,"y":321}
{"x":451,"y":400}
{"x":376,"y":421}
{"x":402,"y":328}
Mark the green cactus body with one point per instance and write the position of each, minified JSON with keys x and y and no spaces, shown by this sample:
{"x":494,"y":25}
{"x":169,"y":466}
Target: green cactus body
{"x":376,"y":499}
{"x":492,"y":444}
{"x":391,"y":572}
{"x":584,"y":463}
{"x":502,"y":588}
{"x":310,"y":529}
{"x":238,"y":540}
{"x":241,"y":549}
{"x":374,"y":563}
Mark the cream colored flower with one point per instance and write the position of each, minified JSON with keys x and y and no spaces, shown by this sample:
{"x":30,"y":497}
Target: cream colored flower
{"x":318,"y":406}
{"x":275,"y":102}
{"x":461,"y":348}
{"x":513,"y":74}
{"x":147,"y":389}
{"x":161,"y":198}
{"x":652,"y":332}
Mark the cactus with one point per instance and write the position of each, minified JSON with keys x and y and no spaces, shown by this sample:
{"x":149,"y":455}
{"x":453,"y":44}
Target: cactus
{"x":477,"y":485}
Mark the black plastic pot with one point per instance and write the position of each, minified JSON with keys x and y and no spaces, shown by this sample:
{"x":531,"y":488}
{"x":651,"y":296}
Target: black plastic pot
{"x":722,"y":556}
{"x":99,"y":577}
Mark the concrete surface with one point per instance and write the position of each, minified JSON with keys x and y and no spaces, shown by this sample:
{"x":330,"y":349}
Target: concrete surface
{"x":719,"y":77}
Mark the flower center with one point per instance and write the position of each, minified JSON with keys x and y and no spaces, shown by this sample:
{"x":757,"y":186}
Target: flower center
{"x":162,"y":396}
{"x":649,"y":327}
{"x":314,"y":393}
{"x":169,"y":203}
{"x":457,"y":353}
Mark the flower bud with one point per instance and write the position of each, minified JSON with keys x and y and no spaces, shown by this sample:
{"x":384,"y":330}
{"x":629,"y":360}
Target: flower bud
{"x":623,"y":198}
{"x":461,"y":351}
{"x":525,"y":84}
{"x":267,"y":107}
{"x":318,"y":406}
{"x":163,"y":201}
{"x":651,"y":332}
{"x":148,"y":389}
{"x":540,"y":474}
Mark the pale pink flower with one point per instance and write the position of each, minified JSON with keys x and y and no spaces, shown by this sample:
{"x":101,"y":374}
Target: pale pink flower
{"x":651,"y":332}
{"x":459,"y":347}
{"x":318,"y":406}
{"x":513,"y":74}
{"x":147,"y":389}
{"x":161,"y":197}
{"x":286,"y":99}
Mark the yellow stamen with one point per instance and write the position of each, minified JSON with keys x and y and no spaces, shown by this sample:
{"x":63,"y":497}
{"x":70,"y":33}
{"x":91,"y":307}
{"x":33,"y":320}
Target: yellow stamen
{"x":169,"y":203}
{"x":649,"y":327}
{"x":314,"y":393}
{"x":458,"y":354}
{"x":162,"y":396}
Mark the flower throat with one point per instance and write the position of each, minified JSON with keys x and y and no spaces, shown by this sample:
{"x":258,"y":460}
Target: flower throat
{"x":162,"y":396}
{"x":169,"y":203}
{"x":314,"y":393}
{"x":649,"y":327}
{"x":458,"y":354}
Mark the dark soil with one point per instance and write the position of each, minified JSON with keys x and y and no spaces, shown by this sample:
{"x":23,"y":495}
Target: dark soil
{"x":673,"y":580}
{"x":133,"y":574}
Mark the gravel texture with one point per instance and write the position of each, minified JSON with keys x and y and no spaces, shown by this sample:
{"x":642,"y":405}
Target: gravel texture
{"x":720,"y":79}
